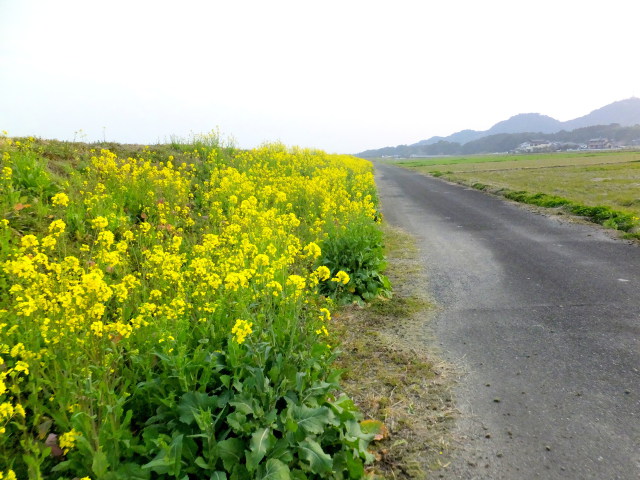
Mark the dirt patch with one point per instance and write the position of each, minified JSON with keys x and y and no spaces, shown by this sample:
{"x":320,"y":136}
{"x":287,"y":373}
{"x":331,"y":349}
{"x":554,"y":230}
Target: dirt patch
{"x":393,"y":371}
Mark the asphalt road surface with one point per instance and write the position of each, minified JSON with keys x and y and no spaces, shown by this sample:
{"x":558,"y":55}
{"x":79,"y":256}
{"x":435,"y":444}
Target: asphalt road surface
{"x":543,"y":317}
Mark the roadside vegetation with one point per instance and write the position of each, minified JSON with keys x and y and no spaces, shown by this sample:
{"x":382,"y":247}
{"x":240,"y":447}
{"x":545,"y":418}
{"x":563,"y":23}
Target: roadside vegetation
{"x":601,"y":187}
{"x":394,"y":376}
{"x":166,"y":312}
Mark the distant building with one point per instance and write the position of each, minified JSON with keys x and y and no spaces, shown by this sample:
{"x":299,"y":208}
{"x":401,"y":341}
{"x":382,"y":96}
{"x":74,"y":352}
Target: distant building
{"x":599,"y":143}
{"x":534,"y":146}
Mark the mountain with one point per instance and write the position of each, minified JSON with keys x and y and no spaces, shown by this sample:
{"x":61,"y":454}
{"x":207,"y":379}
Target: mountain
{"x":526,"y":122}
{"x":504,"y":142}
{"x":624,"y":113}
{"x":459,"y":137}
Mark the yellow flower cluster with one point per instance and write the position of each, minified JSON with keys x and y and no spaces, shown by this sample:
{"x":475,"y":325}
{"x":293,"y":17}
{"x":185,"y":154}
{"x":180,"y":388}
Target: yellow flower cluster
{"x":148,"y":252}
{"x":60,"y":199}
{"x":240,"y":330}
{"x":341,"y":277}
{"x":68,"y":440}
{"x":8,"y":475}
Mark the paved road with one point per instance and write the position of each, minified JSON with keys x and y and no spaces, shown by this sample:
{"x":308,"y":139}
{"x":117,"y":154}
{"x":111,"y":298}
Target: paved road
{"x":544,"y":318}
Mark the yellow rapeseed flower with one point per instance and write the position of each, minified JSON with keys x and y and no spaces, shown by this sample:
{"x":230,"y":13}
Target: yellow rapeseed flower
{"x":29,"y":241}
{"x":240,"y":330}
{"x":323,"y":272}
{"x":57,"y":227}
{"x":60,"y":199}
{"x":99,"y":223}
{"x":68,"y":440}
{"x":312,"y":250}
{"x":6,"y":411}
{"x":325,"y":314}
{"x":341,"y":277}
{"x":9,"y":474}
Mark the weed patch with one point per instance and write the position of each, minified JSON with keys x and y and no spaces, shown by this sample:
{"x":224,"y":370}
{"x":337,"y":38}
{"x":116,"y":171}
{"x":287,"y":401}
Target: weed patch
{"x":602,"y":215}
{"x":392,"y":376}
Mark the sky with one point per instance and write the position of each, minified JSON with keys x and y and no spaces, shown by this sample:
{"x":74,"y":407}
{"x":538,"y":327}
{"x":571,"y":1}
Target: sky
{"x":342,"y":76}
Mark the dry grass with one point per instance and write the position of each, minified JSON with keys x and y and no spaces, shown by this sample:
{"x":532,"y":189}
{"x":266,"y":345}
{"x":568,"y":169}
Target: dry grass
{"x":392,"y":373}
{"x":475,"y":163}
{"x":615,"y":186}
{"x":610,"y":179}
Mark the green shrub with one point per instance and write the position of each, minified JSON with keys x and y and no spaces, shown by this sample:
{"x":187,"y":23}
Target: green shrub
{"x":357,"y":250}
{"x":247,"y":412}
{"x":30,"y":175}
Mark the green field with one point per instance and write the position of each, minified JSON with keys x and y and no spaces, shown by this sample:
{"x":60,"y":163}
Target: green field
{"x":610,"y":179}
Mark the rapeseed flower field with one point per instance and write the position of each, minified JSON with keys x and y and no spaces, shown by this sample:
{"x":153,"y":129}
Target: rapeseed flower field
{"x":166,"y":312}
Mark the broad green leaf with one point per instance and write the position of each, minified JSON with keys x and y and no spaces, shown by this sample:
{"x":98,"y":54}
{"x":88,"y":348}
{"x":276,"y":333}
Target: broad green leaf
{"x":218,"y":476}
{"x":348,"y":460}
{"x":291,"y":425}
{"x":312,"y":420}
{"x":231,"y":451}
{"x":192,"y":402}
{"x":131,"y":471}
{"x":298,"y":475}
{"x":169,"y":459}
{"x":201,"y":462}
{"x":239,"y":472}
{"x":344,"y":404}
{"x":273,"y":470}
{"x":226,"y":380}
{"x":261,"y":442}
{"x":312,"y":452}
{"x":100,"y":464}
{"x":238,"y":422}
{"x":372,"y":426}
{"x":243,"y":406}
{"x":282,"y":450}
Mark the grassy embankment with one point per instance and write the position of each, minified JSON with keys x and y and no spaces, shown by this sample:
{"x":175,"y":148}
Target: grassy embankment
{"x":603,"y":187}
{"x":166,"y":312}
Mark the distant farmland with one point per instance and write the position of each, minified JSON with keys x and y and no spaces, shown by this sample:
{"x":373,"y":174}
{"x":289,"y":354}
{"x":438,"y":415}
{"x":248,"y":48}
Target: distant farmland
{"x":610,"y":179}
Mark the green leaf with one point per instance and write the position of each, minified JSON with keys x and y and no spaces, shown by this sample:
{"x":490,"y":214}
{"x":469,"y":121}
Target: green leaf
{"x":261,"y":442}
{"x":201,"y":462}
{"x":100,"y":464}
{"x":312,"y":452}
{"x":298,"y":475}
{"x":372,"y":426}
{"x":348,"y":460}
{"x":312,"y":420}
{"x":132,"y":471}
{"x":273,"y":470}
{"x":291,"y":425}
{"x":282,"y":450}
{"x":169,"y":459}
{"x":231,"y":451}
{"x":243,"y":406}
{"x":218,"y":476}
{"x":192,"y":402}
{"x":238,"y":422}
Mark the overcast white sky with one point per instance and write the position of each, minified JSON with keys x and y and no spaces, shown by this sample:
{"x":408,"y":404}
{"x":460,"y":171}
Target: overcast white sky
{"x":343,"y":75}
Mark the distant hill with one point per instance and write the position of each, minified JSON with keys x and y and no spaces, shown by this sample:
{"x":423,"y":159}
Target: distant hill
{"x":624,"y":113}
